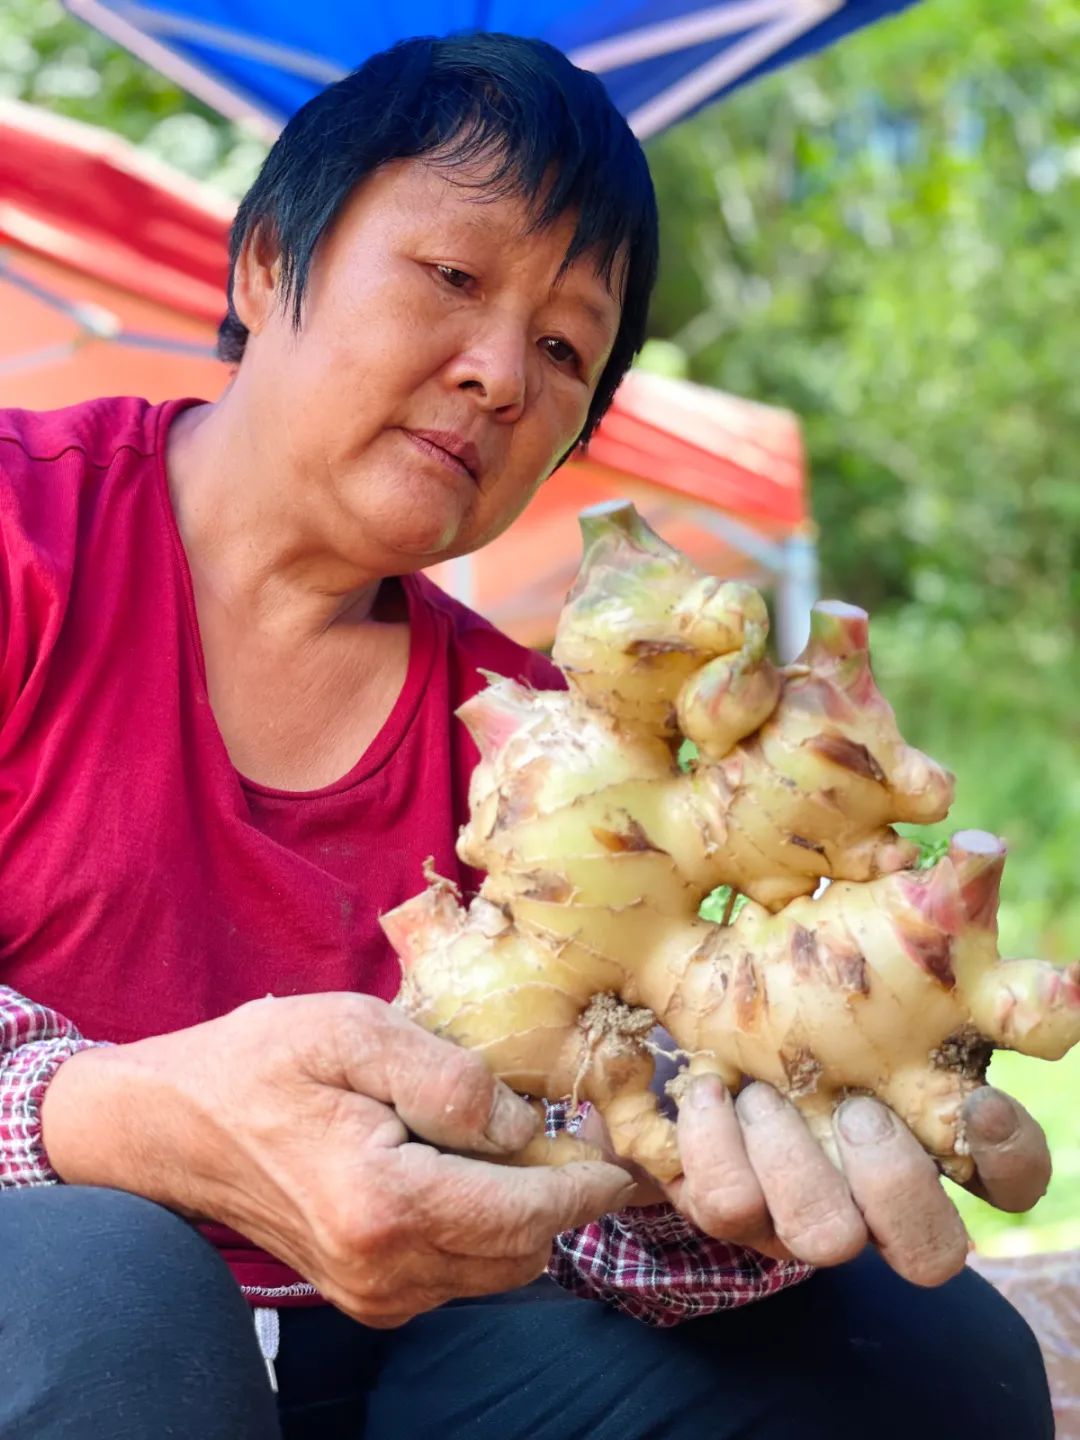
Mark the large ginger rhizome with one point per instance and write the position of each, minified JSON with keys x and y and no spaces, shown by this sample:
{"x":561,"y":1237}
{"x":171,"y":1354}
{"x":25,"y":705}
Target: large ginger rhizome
{"x":599,"y":848}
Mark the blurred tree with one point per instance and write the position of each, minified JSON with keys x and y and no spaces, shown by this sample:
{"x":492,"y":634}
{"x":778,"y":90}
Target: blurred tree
{"x":50,"y":59}
{"x":885,"y":241}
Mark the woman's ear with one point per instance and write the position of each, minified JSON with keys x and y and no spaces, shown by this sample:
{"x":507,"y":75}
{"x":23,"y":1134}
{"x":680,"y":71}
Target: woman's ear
{"x":255,"y":278}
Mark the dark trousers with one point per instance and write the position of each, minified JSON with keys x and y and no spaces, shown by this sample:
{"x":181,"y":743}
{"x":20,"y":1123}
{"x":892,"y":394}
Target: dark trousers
{"x":118,"y":1322}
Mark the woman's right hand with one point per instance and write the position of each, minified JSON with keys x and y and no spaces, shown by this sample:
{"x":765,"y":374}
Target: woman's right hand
{"x":301,"y":1122}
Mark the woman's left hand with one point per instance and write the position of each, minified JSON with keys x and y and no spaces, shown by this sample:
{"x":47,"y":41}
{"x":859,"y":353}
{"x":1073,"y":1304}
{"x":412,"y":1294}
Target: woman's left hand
{"x":755,"y":1176}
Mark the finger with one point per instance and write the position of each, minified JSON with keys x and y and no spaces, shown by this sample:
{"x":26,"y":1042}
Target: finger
{"x":1012,"y":1158}
{"x":896,"y":1185}
{"x":812,"y":1209}
{"x":719,"y":1191}
{"x":443,"y":1093}
{"x":593,"y":1132}
{"x":471,"y":1207}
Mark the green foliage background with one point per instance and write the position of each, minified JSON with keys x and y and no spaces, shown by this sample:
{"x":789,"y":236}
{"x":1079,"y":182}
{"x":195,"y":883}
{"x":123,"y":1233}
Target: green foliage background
{"x":887,"y":240}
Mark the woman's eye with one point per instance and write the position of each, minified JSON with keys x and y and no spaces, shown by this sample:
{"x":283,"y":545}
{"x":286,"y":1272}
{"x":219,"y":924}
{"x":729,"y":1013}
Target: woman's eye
{"x":559,"y":350}
{"x":457,"y":278}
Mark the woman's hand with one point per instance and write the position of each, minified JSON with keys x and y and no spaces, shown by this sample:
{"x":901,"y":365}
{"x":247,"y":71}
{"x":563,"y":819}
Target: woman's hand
{"x":755,"y":1176}
{"x":295,"y":1121}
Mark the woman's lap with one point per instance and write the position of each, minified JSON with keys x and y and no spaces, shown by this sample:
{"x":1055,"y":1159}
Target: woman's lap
{"x":852,"y":1353}
{"x":117,"y":1320}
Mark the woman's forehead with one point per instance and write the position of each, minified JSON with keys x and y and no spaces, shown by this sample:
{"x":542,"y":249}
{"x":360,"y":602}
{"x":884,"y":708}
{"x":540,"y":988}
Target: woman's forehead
{"x":474,"y":192}
{"x":469,"y":199}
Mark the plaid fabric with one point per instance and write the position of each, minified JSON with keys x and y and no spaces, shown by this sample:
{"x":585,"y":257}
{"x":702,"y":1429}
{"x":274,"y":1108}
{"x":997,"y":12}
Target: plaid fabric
{"x":34,"y":1042}
{"x":658,"y":1266}
{"x":651,"y":1263}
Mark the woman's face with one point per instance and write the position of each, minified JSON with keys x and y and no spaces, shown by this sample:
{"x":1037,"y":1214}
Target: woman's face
{"x":443,"y":368}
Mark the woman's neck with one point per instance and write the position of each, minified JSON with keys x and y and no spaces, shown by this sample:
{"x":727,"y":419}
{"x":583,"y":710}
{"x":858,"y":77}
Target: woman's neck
{"x":303,"y":657}
{"x":252,"y":547}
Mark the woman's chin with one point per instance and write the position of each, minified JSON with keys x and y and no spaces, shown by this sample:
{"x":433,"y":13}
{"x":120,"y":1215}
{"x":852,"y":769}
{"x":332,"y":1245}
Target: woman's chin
{"x":422,"y":535}
{"x":415,"y":519}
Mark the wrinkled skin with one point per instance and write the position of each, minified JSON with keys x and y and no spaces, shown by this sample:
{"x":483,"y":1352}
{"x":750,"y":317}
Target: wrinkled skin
{"x":754,"y":1175}
{"x":317,"y":1125}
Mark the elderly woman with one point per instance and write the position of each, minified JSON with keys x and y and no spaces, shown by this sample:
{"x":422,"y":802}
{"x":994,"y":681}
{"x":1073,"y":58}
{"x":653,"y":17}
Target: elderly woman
{"x":227,"y":744}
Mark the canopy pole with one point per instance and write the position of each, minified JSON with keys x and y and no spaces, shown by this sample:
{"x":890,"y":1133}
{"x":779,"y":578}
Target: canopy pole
{"x":724,"y":70}
{"x":770,"y":554}
{"x":233,"y":104}
{"x":797,"y":588}
{"x":461,"y":580}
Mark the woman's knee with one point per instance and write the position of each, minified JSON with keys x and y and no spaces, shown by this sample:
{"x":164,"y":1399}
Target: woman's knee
{"x":114,"y":1305}
{"x":858,"y":1352}
{"x":932,"y":1362}
{"x":98,"y":1241}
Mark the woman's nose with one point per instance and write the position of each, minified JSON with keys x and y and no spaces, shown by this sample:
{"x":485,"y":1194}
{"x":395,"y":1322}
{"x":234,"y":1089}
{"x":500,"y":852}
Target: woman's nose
{"x":495,"y":370}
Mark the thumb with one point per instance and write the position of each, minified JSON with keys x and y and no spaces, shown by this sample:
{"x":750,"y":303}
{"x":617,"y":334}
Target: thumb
{"x":594,"y":1132}
{"x":444,"y":1094}
{"x":576,"y":1194}
{"x":520,"y":1207}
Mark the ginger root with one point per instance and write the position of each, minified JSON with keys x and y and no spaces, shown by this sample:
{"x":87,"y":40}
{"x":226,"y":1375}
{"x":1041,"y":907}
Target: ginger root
{"x":599,"y":850}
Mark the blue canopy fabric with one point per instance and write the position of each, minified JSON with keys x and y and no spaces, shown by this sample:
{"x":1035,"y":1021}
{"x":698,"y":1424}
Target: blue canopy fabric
{"x":660,"y":59}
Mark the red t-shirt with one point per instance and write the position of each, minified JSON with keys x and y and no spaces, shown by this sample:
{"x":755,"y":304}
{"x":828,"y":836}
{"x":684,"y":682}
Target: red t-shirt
{"x":146,"y":884}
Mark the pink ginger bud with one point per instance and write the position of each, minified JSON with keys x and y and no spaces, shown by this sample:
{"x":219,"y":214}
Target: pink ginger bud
{"x":496,"y":714}
{"x":839,"y":644}
{"x":426,"y":922}
{"x":616,"y":524}
{"x":924,"y":788}
{"x":978,"y":859}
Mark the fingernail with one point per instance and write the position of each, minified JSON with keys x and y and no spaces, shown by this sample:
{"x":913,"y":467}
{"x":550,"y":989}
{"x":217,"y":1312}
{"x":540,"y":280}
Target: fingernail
{"x":992,"y":1114}
{"x":513,"y":1123}
{"x":707,"y":1092}
{"x":864,"y":1122}
{"x":758,"y":1102}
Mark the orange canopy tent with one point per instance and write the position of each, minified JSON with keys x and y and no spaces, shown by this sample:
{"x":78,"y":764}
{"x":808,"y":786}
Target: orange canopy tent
{"x":112,"y":273}
{"x":112,"y":268}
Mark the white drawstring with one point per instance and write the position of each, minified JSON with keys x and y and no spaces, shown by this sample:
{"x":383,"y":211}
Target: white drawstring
{"x":268,"y":1333}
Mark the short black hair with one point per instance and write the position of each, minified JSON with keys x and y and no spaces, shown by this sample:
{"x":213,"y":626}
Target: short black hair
{"x":550,"y":129}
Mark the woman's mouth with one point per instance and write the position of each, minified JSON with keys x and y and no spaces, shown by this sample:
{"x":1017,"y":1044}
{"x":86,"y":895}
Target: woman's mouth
{"x":452,"y":451}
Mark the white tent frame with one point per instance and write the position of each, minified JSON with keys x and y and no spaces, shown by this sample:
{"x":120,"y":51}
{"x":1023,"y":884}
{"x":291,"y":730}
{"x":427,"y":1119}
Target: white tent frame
{"x":766,"y":27}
